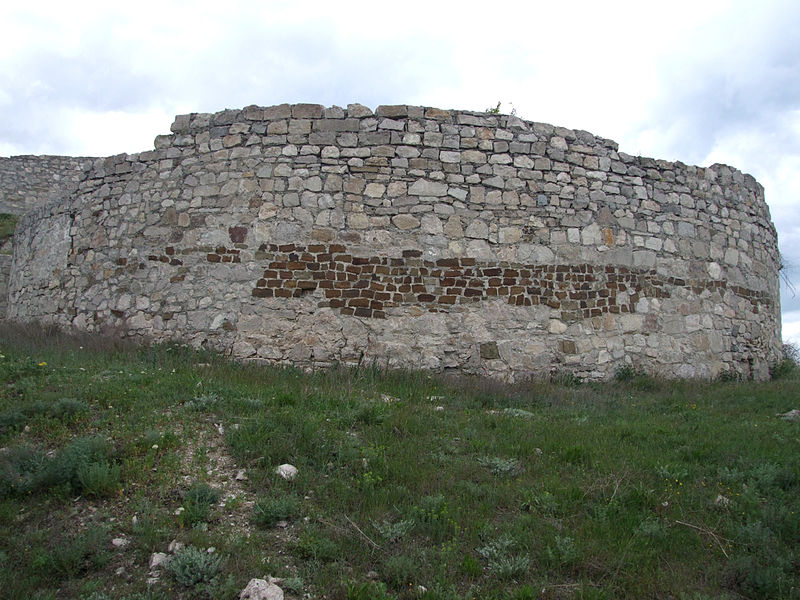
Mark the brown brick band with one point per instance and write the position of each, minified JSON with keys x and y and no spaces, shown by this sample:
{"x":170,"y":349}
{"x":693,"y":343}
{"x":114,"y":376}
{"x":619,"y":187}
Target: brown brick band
{"x":368,"y":286}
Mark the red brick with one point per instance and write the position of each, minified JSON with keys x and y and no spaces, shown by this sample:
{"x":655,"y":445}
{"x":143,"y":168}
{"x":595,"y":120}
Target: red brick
{"x":447,"y":262}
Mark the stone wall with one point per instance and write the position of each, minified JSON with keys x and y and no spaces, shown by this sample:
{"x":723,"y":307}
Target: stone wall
{"x":414,"y":237}
{"x":30,"y":181}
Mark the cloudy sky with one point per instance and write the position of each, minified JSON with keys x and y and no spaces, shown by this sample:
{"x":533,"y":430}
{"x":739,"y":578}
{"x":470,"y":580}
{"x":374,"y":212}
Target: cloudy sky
{"x":701,"y":82}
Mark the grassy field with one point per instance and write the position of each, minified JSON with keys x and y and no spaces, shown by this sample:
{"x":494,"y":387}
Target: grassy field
{"x":409,"y":485}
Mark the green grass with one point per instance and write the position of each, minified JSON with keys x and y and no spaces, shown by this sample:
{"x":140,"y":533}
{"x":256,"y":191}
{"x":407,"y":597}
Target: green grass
{"x":8,"y":223}
{"x":546,"y":489}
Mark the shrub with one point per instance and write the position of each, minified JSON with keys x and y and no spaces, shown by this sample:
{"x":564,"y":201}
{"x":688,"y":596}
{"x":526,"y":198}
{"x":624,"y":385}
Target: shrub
{"x":75,"y":458}
{"x":84,"y":552}
{"x":11,"y":419}
{"x":66,"y":409}
{"x":100,"y":479}
{"x":190,"y":566}
{"x":19,"y":469}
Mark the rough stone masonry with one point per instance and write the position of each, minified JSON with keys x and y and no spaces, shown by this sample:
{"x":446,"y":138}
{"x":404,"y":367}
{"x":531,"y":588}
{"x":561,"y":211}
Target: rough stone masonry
{"x":412,"y":237}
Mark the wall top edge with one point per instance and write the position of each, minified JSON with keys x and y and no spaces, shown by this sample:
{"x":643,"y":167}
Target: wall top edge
{"x":192,"y":123}
{"x":197,"y":122}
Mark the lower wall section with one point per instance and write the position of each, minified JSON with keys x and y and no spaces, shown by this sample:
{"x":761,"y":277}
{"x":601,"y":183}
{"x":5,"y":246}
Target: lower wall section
{"x":317,"y":304}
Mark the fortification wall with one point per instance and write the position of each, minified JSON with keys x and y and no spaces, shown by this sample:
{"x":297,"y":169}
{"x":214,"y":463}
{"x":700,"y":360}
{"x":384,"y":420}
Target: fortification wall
{"x":415,"y":237}
{"x":30,"y":181}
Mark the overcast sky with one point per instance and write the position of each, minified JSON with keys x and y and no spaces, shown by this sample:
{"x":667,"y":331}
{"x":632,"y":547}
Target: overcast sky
{"x":698,"y":81}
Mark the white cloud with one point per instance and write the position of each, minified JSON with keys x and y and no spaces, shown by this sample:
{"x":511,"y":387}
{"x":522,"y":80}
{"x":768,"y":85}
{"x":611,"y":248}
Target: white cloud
{"x":791,"y":327}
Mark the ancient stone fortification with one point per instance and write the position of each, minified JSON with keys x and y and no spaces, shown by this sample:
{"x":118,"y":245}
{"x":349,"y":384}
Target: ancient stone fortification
{"x":30,"y":181}
{"x":415,"y":237}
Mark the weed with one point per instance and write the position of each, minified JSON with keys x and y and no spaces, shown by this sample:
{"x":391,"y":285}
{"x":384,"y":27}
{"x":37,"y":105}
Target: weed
{"x":432,"y":514}
{"x":367,"y":591}
{"x":15,"y":369}
{"x":315,"y":546}
{"x":8,"y":223}
{"x":543,"y":502}
{"x":191,"y":566}
{"x":294,"y":585}
{"x":565,"y":378}
{"x":562,"y":552}
{"x":518,"y":412}
{"x":503,"y":557}
{"x":391,"y":532}
{"x":626,"y":373}
{"x":470,"y":566}
{"x":499,"y":466}
{"x":73,"y":556}
{"x":197,"y":503}
{"x":268,"y":511}
{"x":729,"y":376}
{"x":788,"y":366}
{"x":203,"y":403}
{"x":400,"y":571}
{"x":157,"y":440}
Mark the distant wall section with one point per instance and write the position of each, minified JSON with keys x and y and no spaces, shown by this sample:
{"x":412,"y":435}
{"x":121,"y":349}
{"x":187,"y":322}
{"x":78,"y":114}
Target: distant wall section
{"x":414,"y":237}
{"x":30,"y":181}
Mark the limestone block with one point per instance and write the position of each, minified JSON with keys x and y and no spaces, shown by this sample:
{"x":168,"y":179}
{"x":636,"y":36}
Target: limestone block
{"x":477,"y":229}
{"x":405,"y":222}
{"x":423,"y":187}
